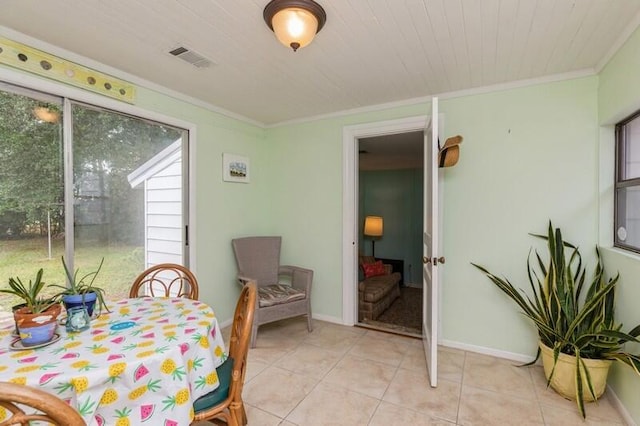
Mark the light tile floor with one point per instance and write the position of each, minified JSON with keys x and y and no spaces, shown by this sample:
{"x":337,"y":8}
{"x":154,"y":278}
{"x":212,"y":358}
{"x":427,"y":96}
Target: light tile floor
{"x":346,"y":376}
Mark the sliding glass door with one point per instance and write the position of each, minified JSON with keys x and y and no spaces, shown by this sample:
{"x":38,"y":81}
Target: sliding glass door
{"x":127,"y":195}
{"x":31,"y":188}
{"x":90,"y":184}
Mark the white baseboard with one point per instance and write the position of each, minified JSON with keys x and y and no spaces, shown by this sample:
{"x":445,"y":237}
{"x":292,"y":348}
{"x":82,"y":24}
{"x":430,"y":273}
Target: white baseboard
{"x":227,"y":323}
{"x":329,"y":318}
{"x":620,"y":407}
{"x":487,"y":351}
{"x":319,"y":317}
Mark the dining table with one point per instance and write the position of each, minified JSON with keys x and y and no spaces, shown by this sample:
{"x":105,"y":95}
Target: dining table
{"x":145,"y":361}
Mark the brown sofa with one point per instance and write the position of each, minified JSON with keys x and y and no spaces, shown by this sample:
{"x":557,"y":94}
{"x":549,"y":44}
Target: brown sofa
{"x":375,"y":294}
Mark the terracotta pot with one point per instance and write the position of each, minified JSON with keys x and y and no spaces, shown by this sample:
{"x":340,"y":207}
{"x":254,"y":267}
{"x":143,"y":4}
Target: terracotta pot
{"x":564,"y":376}
{"x":36,"y":329}
{"x":14,"y":309}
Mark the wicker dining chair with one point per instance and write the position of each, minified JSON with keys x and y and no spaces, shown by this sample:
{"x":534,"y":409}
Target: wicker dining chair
{"x":165,"y":280}
{"x":52,"y":409}
{"x":225,"y":403}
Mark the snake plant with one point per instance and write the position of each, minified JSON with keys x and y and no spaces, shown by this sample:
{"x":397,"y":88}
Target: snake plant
{"x":572,"y":315}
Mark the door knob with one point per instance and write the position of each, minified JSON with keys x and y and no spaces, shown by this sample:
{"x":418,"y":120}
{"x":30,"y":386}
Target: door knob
{"x":435,"y":260}
{"x":426,"y":260}
{"x":441,"y":259}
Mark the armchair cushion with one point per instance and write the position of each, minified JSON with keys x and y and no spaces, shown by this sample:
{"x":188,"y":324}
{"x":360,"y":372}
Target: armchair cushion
{"x":276,"y":294}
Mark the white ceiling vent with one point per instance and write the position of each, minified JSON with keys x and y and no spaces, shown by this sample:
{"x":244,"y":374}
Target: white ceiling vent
{"x":191,"y":56}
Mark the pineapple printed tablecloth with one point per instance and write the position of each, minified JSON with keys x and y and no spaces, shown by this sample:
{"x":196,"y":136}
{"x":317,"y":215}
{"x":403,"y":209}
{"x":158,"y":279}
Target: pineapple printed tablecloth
{"x":145,"y":362}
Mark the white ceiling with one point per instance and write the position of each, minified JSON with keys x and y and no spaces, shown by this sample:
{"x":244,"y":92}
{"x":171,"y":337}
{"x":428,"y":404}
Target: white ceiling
{"x":370,"y":52}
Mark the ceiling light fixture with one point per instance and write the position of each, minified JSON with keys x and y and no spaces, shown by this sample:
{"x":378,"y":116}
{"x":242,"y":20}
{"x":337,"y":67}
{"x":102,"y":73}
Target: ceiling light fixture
{"x":295,"y":22}
{"x":46,"y":114}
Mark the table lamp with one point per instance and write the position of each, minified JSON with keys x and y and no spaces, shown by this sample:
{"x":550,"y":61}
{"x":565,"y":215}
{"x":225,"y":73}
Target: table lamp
{"x":373,"y":226}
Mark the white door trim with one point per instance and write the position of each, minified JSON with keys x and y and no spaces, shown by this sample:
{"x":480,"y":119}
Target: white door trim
{"x":350,"y":136}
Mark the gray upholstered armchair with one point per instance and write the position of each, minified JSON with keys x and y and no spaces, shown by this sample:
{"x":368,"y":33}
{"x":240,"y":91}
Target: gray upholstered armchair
{"x":283,"y":291}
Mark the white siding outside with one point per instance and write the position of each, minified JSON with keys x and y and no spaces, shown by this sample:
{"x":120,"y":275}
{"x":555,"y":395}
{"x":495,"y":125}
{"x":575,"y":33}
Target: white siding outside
{"x":162,"y":178}
{"x":165,"y":208}
{"x":163,"y":195}
{"x":164,"y":233}
{"x":153,"y":258}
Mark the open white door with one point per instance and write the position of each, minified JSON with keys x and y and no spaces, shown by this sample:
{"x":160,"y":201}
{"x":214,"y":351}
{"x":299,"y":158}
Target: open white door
{"x":430,"y":251}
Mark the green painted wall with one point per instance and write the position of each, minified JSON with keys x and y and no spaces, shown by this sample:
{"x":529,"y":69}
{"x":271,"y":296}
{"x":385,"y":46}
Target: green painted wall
{"x":618,"y":97}
{"x":396,"y":195}
{"x":529,"y":155}
{"x":304,"y":206}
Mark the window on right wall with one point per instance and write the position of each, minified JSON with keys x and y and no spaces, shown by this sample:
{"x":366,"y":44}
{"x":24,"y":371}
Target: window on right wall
{"x":627,"y":186}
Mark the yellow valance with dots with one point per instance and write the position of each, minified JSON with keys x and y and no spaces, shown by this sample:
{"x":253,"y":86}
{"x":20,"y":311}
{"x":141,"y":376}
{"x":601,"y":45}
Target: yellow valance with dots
{"x":27,"y":58}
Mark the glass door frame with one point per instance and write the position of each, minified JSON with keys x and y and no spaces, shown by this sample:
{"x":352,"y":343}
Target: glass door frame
{"x":26,"y":85}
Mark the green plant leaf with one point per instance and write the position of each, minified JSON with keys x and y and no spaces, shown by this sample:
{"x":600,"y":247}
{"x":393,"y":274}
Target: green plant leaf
{"x":631,"y":360}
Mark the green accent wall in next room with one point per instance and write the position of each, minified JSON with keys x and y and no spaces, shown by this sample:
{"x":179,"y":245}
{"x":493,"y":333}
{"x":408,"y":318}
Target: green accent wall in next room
{"x":396,"y":196}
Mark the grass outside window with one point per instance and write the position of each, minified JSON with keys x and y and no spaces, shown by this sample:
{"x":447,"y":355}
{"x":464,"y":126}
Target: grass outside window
{"x":24,"y":257}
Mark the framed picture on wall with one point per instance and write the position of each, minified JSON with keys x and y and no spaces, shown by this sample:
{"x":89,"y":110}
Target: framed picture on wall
{"x":235,"y":168}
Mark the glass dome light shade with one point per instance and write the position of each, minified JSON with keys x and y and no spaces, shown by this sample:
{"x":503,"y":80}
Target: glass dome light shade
{"x":294,"y":27}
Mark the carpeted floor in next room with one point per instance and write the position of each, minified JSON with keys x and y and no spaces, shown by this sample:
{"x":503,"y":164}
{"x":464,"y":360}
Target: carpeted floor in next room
{"x":405,"y":313}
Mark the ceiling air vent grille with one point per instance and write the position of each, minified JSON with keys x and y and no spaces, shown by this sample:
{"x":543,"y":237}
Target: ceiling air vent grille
{"x":192,"y":57}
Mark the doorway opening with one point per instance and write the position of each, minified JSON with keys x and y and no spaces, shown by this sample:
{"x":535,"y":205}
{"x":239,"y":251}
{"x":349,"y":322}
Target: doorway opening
{"x":390,"y":179}
{"x":431,"y":235}
{"x":352,"y":230}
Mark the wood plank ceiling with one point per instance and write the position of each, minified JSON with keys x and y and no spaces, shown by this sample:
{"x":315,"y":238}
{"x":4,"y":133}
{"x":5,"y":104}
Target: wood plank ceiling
{"x":370,"y":51}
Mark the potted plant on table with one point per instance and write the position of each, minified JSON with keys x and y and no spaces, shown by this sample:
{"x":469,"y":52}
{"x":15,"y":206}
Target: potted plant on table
{"x":36,"y":321}
{"x":81,"y":291}
{"x":578,"y":335}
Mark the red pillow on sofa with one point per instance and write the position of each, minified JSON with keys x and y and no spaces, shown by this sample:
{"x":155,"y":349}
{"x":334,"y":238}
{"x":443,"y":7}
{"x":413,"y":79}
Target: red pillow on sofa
{"x":373,"y":269}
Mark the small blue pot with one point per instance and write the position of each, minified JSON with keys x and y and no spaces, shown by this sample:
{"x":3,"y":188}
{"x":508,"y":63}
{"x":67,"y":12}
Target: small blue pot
{"x":73,"y":300}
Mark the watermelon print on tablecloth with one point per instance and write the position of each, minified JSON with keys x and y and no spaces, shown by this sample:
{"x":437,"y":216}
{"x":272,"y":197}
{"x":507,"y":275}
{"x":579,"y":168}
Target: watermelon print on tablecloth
{"x":140,"y":372}
{"x":146,"y":411}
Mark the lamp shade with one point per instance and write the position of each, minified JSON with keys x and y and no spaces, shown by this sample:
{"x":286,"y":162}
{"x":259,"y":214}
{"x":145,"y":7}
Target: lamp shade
{"x":294,"y":22}
{"x":373,"y":226}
